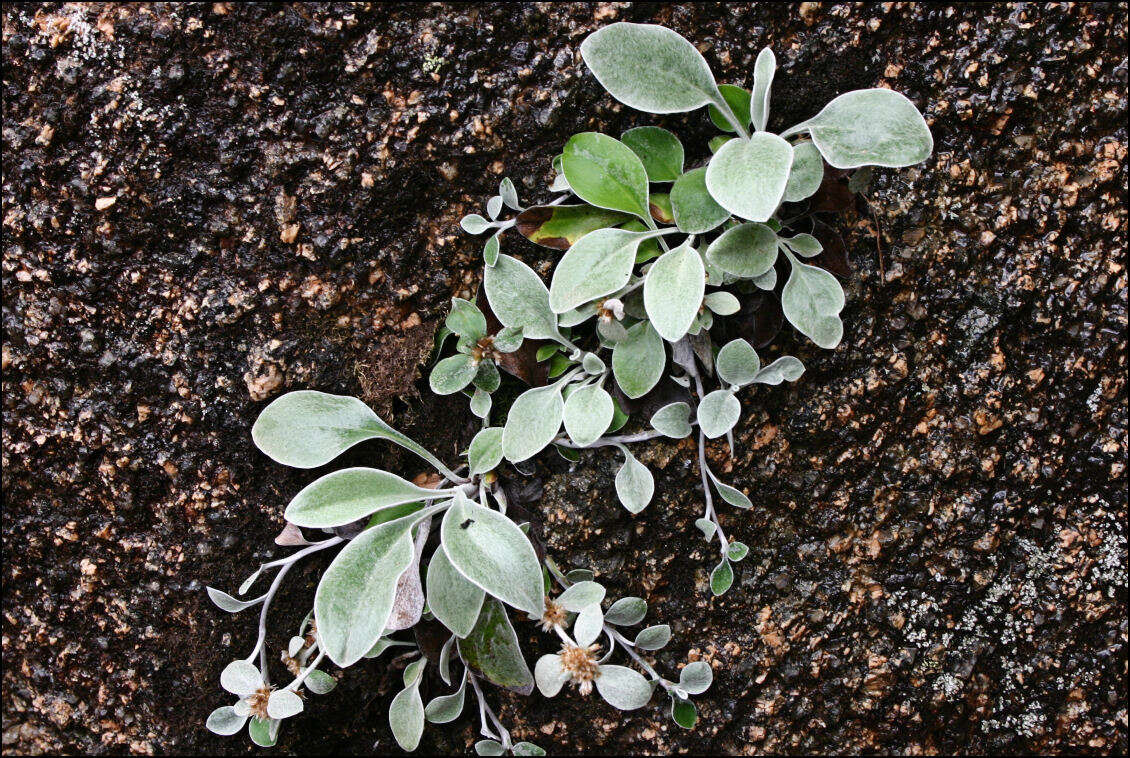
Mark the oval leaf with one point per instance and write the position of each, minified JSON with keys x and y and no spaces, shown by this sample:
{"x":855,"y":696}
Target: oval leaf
{"x":672,"y":293}
{"x":638,"y":360}
{"x":452,"y":374}
{"x":406,"y":717}
{"x":812,"y":300}
{"x":763,"y":70}
{"x":588,"y":412}
{"x":492,"y":552}
{"x":696,"y":677}
{"x":673,"y":420}
{"x":785,"y":368}
{"x":344,"y":496}
{"x":453,"y":599}
{"x":560,"y":226}
{"x":807,"y":172}
{"x":532,"y":423}
{"x":748,"y":250}
{"x":486,"y":450}
{"x":492,"y":650}
{"x":446,"y":708}
{"x":626,"y":611}
{"x":870,"y":127}
{"x":737,"y":363}
{"x":623,"y":688}
{"x":718,"y":412}
{"x":604,"y":172}
{"x":694,"y":209}
{"x":519,"y":298}
{"x":654,"y":637}
{"x":597,"y":265}
{"x":658,"y":149}
{"x":634,"y":483}
{"x":748,"y":177}
{"x":649,"y":68}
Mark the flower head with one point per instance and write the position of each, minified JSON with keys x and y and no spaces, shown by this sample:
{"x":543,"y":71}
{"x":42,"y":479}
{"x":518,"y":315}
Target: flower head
{"x":554,"y":616}
{"x":579,"y":663}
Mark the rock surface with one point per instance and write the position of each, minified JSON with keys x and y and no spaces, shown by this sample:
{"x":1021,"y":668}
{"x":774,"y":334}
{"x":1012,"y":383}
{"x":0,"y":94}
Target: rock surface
{"x":206,"y":205}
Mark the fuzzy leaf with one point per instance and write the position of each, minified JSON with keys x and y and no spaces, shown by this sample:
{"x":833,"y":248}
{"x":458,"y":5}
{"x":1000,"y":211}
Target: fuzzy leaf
{"x":344,"y":496}
{"x":549,"y":675}
{"x":283,"y":704}
{"x":785,"y":368}
{"x":763,"y":70}
{"x":485,"y":451}
{"x":307,"y":429}
{"x":722,"y":303}
{"x":683,"y":712}
{"x":465,"y":319}
{"x":597,"y":265}
{"x":626,"y":611}
{"x":718,"y":412}
{"x":406,"y":717}
{"x":638,"y":360}
{"x":623,"y":688}
{"x":737,"y":363}
{"x":748,"y":177}
{"x":452,"y":374}
{"x":634,"y":483}
{"x":812,"y":300}
{"x":649,"y":68}
{"x":519,"y":298}
{"x":225,"y":721}
{"x":722,"y":578}
{"x":589,"y":623}
{"x":452,"y":598}
{"x":748,"y":250}
{"x":869,"y":127}
{"x":493,"y":553}
{"x":226,"y":602}
{"x":696,"y":677}
{"x":588,"y":412}
{"x":532,"y":423}
{"x":807,"y":172}
{"x":446,"y":708}
{"x":673,"y":420}
{"x":672,"y":293}
{"x":581,"y":595}
{"x":654,"y":637}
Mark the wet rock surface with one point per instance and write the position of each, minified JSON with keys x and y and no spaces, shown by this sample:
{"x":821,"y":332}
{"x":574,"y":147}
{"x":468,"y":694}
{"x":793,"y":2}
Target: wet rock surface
{"x":207,"y":205}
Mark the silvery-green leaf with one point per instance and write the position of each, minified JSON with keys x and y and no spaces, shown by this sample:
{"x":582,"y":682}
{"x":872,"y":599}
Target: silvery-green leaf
{"x":731,"y":495}
{"x":638,"y":360}
{"x":486,"y":450}
{"x":623,"y":688}
{"x":721,"y":578}
{"x":592,"y":364}
{"x":696,"y":677}
{"x":319,"y":682}
{"x":748,"y":177}
{"x":532,"y":423}
{"x":581,"y":595}
{"x":649,"y":68}
{"x":368,"y":567}
{"x":379,"y":647}
{"x":406,"y":717}
{"x":737,"y":551}
{"x":737,"y":363}
{"x":241,"y":678}
{"x":560,"y":226}
{"x":225,"y":721}
{"x":408,"y":602}
{"x":549,"y":675}
{"x":812,"y":300}
{"x":706,"y":526}
{"x":598,"y":264}
{"x":446,"y":708}
{"x":634,"y":483}
{"x":243,"y":588}
{"x":487,"y":377}
{"x":804,"y":244}
{"x":226,"y":602}
{"x":763,"y":71}
{"x":307,"y":429}
{"x":658,"y":149}
{"x":527,"y":748}
{"x":492,"y":552}
{"x":519,"y":298}
{"x":413,"y":671}
{"x":722,"y":303}
{"x":626,"y":611}
{"x":869,"y":127}
{"x":738,"y":100}
{"x":452,"y":374}
{"x":748,"y":250}
{"x":263,"y":732}
{"x":718,"y":412}
{"x":673,"y":290}
{"x":673,"y":420}
{"x":807,"y":172}
{"x":604,"y":172}
{"x":473,"y":223}
{"x":344,"y":496}
{"x":767,"y":281}
{"x":453,"y":599}
{"x":694,"y":209}
{"x":588,"y":625}
{"x":785,"y":368}
{"x":683,"y":712}
{"x":492,"y":650}
{"x":465,"y":319}
{"x":611,"y":331}
{"x":508,"y":193}
{"x":489,"y":747}
{"x":588,"y":412}
{"x":494,"y":207}
{"x":294,"y":647}
{"x":491,"y":249}
{"x":480,"y":406}
{"x":283,"y":704}
{"x":444,"y":665}
{"x":654,"y":637}
{"x":508,"y":339}
{"x":580,"y":575}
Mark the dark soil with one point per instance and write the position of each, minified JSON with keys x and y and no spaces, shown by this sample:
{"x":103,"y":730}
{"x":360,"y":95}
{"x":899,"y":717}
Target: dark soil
{"x":938,"y":543}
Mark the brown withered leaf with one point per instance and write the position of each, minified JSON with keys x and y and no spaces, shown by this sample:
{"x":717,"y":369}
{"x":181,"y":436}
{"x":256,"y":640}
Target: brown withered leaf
{"x":559,"y":226}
